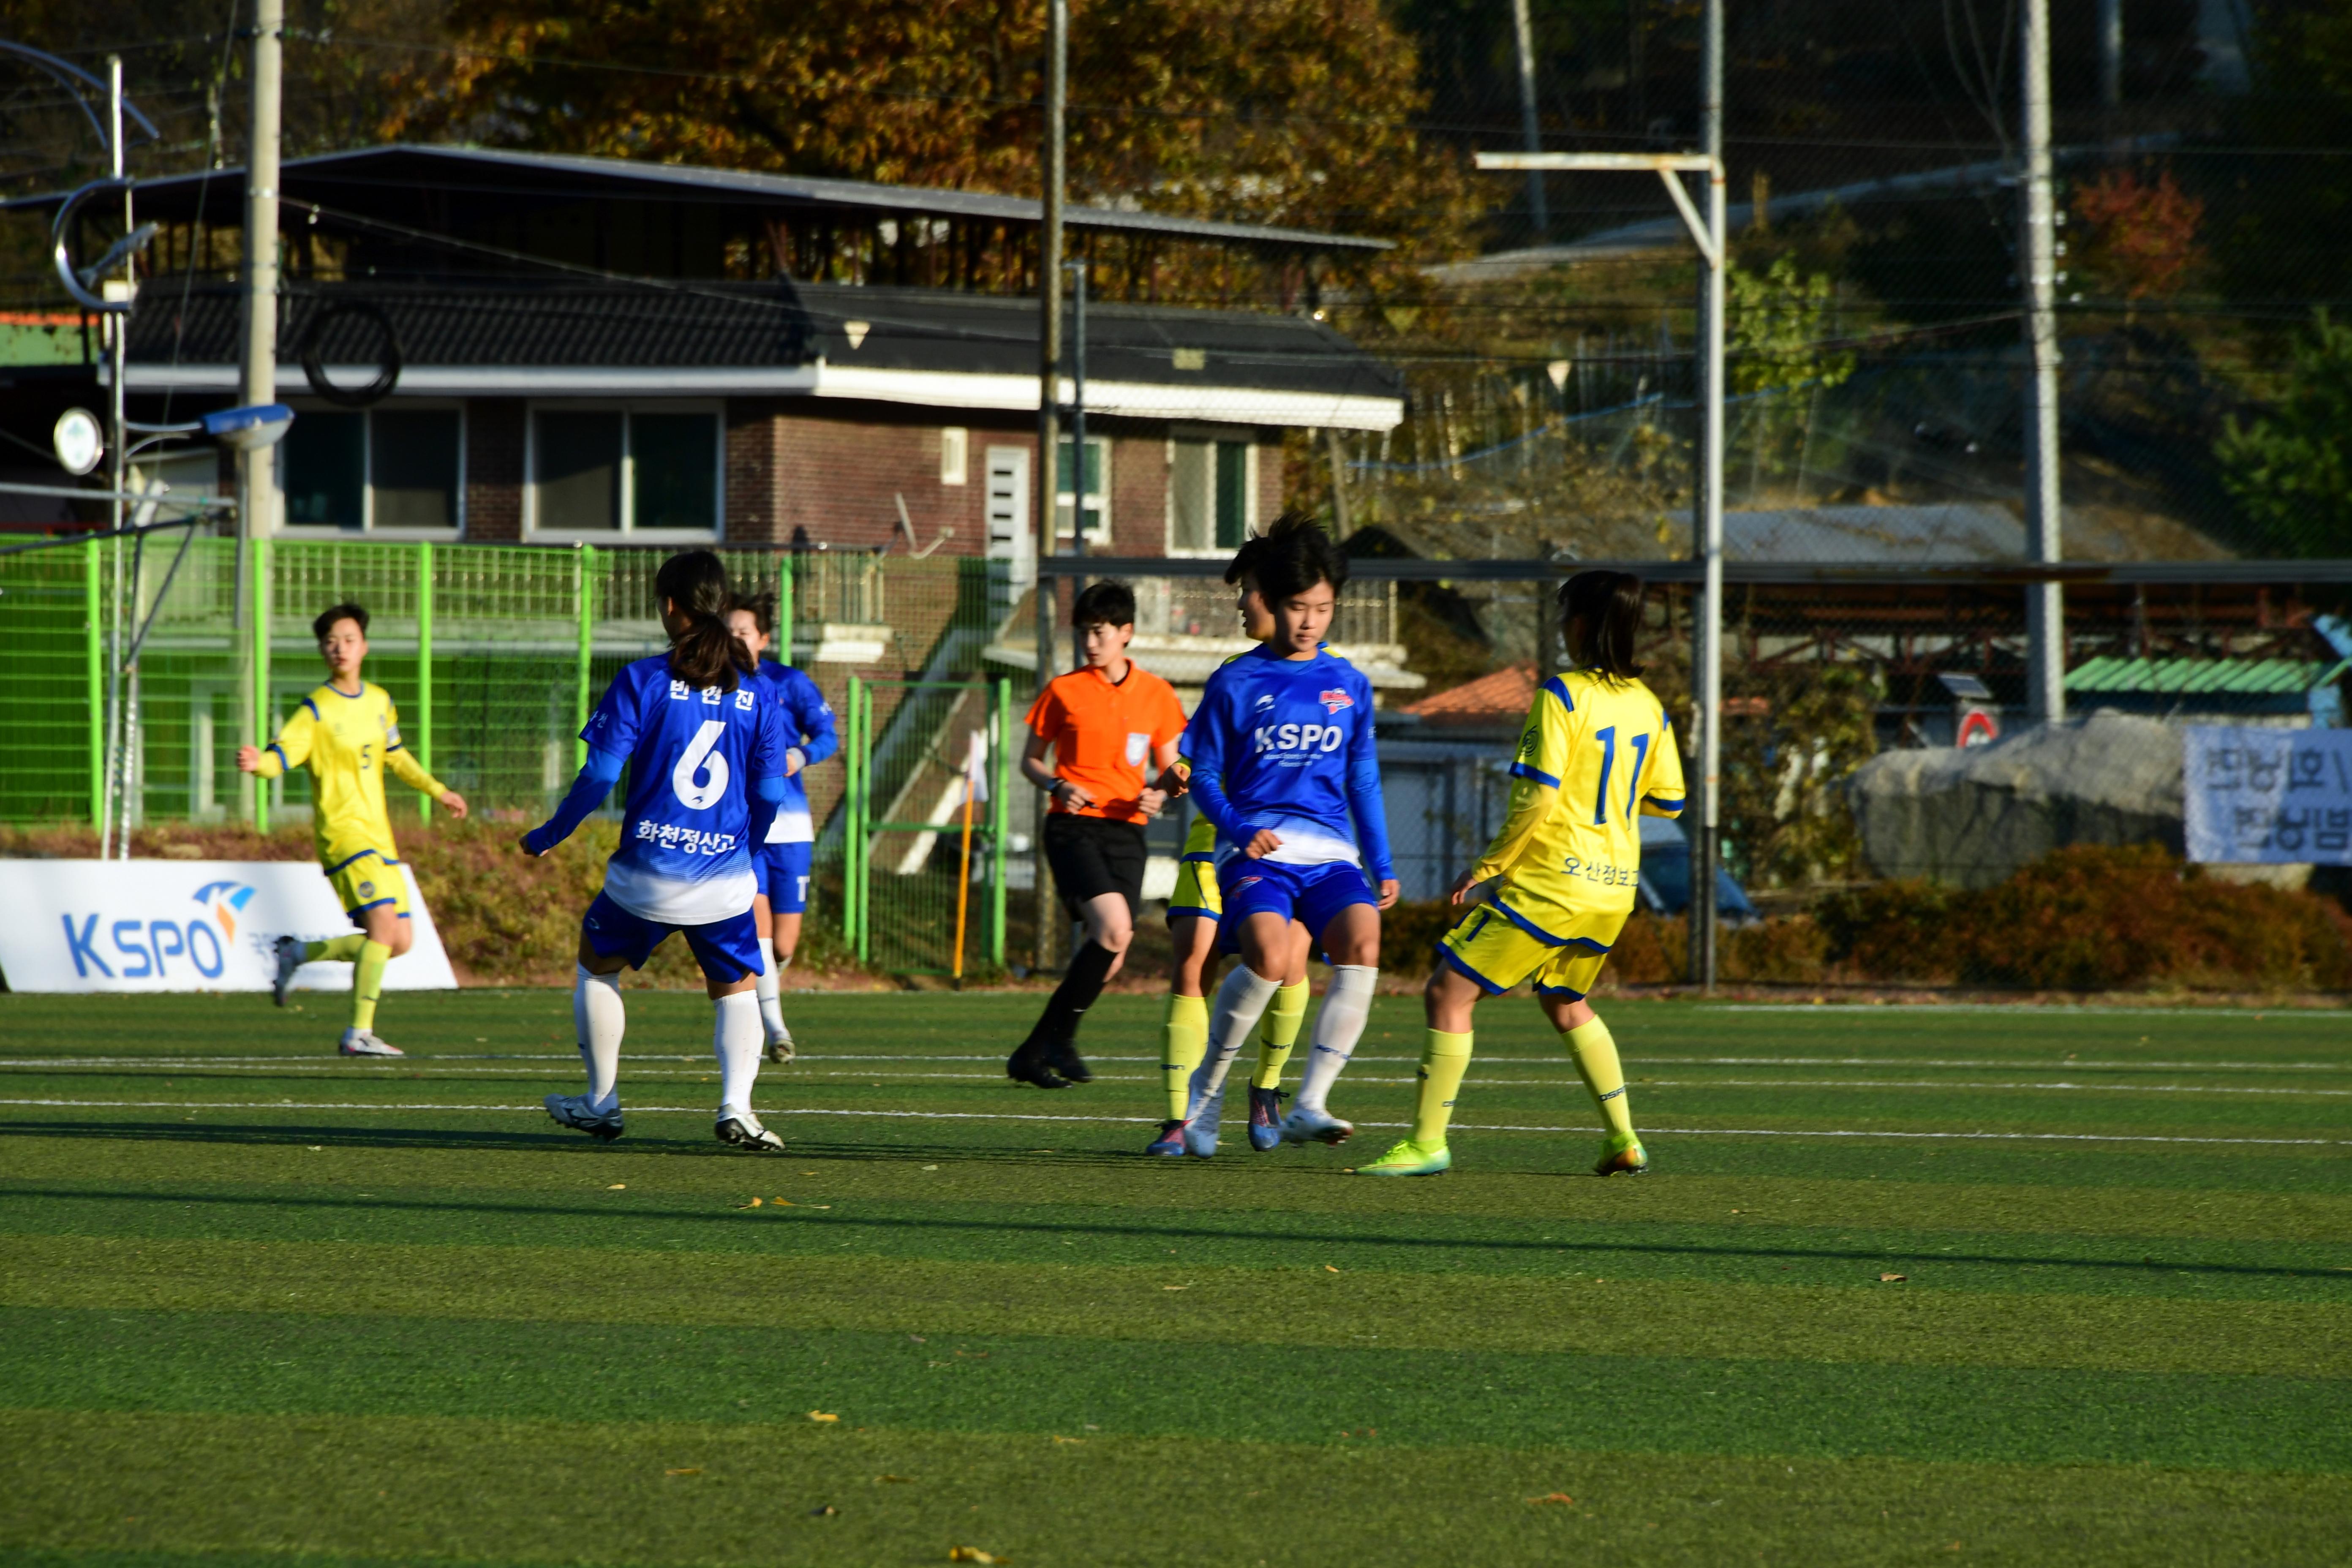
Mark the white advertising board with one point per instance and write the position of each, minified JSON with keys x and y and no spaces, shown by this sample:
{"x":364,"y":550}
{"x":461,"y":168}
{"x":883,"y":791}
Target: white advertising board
{"x":2256,"y":796}
{"x":184,"y":925}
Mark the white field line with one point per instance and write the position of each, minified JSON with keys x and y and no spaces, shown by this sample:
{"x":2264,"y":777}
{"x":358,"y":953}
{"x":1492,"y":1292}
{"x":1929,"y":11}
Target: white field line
{"x":410,"y":1064}
{"x":1151,"y":1121}
{"x":2007,"y":1009}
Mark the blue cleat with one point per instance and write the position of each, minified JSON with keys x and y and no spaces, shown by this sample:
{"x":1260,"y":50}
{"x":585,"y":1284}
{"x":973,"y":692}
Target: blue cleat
{"x":1265,"y":1119}
{"x":1169,"y":1142}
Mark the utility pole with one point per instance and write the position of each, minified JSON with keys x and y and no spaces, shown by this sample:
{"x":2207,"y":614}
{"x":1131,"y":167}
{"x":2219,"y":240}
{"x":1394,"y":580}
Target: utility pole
{"x":1707,"y":633}
{"x":119,"y":736}
{"x":1049,"y":446}
{"x":1525,"y":31}
{"x":258,"y":473}
{"x":2045,"y":616}
{"x":2111,"y":54}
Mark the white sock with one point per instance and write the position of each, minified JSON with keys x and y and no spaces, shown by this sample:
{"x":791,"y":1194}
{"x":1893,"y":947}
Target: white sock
{"x":598,"y":1019}
{"x":1242,"y":1001}
{"x":769,"y":990}
{"x":735,"y":1038}
{"x":1338,"y":1027}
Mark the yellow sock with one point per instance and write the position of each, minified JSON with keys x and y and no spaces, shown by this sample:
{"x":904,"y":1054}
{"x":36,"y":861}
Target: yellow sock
{"x":1443,"y":1059}
{"x":367,"y":982}
{"x":1595,"y":1050}
{"x":1277,"y":1032}
{"x":1183,"y":1041}
{"x":337,"y":950}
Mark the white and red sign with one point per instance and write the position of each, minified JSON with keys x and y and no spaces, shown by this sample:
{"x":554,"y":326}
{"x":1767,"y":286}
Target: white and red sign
{"x":185,"y":925}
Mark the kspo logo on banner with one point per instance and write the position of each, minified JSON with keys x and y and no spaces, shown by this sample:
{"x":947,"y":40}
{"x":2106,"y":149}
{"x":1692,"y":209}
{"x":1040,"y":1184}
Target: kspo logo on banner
{"x":161,"y":925}
{"x":145,"y":948}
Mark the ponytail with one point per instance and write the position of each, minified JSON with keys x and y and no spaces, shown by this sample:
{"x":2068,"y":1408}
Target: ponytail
{"x":703,"y":652}
{"x":1609,"y":606}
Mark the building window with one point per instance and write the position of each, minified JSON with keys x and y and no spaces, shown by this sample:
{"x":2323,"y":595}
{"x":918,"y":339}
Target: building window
{"x":955,"y":452}
{"x":387,"y":471}
{"x":1098,"y":496}
{"x":1209,"y":494}
{"x":625,"y":471}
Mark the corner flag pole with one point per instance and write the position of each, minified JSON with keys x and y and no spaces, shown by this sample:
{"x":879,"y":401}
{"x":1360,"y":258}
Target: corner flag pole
{"x":974,"y":764}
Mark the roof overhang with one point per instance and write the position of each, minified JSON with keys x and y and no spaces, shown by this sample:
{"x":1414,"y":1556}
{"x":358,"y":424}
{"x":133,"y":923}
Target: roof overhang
{"x":977,"y":392}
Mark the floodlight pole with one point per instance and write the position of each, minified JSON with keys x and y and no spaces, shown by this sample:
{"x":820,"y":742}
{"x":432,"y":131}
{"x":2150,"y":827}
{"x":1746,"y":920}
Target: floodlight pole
{"x":2045,"y":609}
{"x":256,"y":469}
{"x":1706,"y":675}
{"x":1049,"y":445}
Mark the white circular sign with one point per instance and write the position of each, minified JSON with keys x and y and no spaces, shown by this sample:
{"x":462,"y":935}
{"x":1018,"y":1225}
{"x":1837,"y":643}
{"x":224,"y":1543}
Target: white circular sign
{"x":78,"y":439}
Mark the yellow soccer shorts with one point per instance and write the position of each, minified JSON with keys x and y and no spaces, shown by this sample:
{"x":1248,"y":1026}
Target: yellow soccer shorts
{"x":368,"y":880}
{"x":1500,"y":949}
{"x":1196,"y":896}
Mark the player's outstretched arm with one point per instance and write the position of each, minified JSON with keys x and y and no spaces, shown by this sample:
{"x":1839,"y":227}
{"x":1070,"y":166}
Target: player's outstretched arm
{"x":405,"y":766}
{"x":813,"y":718}
{"x":1368,"y":805}
{"x":597,"y":776}
{"x":290,"y":751}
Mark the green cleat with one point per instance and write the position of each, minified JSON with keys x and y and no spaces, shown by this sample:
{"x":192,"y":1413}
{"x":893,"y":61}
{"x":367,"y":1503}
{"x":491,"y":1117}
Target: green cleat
{"x":1622,"y":1151}
{"x":1410,"y":1159}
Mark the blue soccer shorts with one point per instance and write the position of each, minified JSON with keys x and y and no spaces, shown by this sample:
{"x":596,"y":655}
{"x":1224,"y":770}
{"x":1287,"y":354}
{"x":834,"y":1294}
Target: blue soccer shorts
{"x":1311,"y":895}
{"x":728,"y":949}
{"x":783,"y":871}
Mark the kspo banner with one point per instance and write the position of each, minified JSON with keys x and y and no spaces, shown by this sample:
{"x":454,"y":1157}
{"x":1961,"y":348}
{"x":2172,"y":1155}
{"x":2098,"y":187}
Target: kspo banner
{"x":183,"y":925}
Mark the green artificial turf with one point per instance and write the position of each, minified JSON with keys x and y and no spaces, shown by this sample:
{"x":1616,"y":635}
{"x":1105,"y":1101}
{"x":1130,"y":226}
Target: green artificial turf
{"x":258,"y":1304}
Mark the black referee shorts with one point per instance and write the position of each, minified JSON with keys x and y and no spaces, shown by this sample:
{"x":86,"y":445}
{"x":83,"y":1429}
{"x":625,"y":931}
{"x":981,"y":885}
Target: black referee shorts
{"x":1091,"y":856}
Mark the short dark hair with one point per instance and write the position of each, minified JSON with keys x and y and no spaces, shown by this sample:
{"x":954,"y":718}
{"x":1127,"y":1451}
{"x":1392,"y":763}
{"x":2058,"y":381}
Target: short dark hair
{"x":1245,"y":560}
{"x":1107,"y":603}
{"x":1294,"y":555}
{"x":1609,"y":606}
{"x":763,"y":610}
{"x":333,"y":613}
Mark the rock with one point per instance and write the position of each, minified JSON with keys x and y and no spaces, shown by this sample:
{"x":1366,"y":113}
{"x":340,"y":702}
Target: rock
{"x":1971,"y":816}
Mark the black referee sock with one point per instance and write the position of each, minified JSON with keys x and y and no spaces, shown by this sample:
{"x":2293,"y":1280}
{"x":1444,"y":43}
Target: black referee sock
{"x":1057,"y":1029}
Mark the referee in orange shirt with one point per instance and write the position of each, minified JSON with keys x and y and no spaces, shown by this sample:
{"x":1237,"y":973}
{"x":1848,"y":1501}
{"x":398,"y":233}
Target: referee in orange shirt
{"x":1104,"y":723}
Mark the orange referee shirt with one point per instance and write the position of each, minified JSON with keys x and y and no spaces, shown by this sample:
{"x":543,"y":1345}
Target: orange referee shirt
{"x":1104,"y":734}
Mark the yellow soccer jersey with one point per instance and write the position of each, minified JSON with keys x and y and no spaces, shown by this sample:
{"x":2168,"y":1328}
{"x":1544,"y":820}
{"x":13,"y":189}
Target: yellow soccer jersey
{"x":1607,"y":750}
{"x":347,"y":742}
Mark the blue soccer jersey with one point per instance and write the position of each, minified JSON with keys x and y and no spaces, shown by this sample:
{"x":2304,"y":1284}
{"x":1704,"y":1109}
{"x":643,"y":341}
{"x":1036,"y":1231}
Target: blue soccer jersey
{"x":807,"y":728}
{"x":1286,"y":745}
{"x":695,"y":758}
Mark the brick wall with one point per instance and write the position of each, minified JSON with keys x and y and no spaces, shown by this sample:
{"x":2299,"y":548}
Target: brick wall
{"x":1139,"y":493}
{"x":494,"y":445}
{"x":1269,"y":476}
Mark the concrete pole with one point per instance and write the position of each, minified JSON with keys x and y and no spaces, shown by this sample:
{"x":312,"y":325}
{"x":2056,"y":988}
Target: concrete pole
{"x":2045,"y":620}
{"x":1523,"y":30}
{"x":256,"y":470}
{"x":1707,"y":633}
{"x":2111,"y":54}
{"x":1049,"y":376}
{"x":116,"y":808}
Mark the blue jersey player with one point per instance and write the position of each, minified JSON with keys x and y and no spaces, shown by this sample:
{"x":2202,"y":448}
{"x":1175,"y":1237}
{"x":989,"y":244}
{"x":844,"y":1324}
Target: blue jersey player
{"x":782,"y":861}
{"x":706,"y":761}
{"x":1284,"y":764}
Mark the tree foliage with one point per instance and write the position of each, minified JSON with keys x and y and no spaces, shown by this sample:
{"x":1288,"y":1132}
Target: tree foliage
{"x":2290,"y":470}
{"x":1779,"y":337}
{"x":2140,"y":238}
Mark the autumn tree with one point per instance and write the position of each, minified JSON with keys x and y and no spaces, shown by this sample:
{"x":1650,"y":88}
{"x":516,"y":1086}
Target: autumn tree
{"x":2139,"y":236}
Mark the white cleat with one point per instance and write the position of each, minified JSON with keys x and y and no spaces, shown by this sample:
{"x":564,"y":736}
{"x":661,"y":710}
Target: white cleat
{"x":364,"y":1043}
{"x":289,"y":954}
{"x":577,"y":1111}
{"x":1307,"y":1125}
{"x":779,"y":1047}
{"x":1201,"y":1130}
{"x":743,"y":1131}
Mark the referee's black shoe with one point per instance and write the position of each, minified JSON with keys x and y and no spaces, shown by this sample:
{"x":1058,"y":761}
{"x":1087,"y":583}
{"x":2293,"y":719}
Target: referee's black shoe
{"x":1064,"y":1059}
{"x":1028,"y":1064}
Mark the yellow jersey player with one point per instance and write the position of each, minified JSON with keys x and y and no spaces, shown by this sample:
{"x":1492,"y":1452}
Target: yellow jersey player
{"x":1552,"y":891}
{"x":347,"y":732}
{"x":1194,"y":912}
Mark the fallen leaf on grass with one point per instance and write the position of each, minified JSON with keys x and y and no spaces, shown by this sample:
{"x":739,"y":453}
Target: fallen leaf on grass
{"x":821,"y":1415}
{"x":827,"y":1511}
{"x":783,"y":1203}
{"x":1174,"y":1287}
{"x":753,"y":1205}
{"x":973,"y":1555}
{"x":618,"y":1187}
{"x":1059,"y":1438}
{"x":316,"y":1148}
{"x":1893,"y":1279}
{"x":1329,"y":1269}
{"x":897,"y":1480}
{"x":1552,"y":1497}
{"x":690,"y":1470}
{"x":931,"y":1167}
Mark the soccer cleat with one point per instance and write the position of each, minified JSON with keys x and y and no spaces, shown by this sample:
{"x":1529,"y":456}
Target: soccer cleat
{"x":289,"y":954}
{"x":1200,"y":1131}
{"x":1064,"y":1059}
{"x":1027,"y":1065}
{"x":1410,"y":1159}
{"x":1622,"y":1151}
{"x":1170,"y":1140}
{"x":364,"y":1043}
{"x":1266,"y":1118}
{"x":745,"y":1132}
{"x":1307,"y":1122}
{"x":578,"y":1112}
{"x":780,"y":1048}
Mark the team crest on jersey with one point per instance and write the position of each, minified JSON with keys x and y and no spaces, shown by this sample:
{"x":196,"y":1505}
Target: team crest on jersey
{"x":1335,"y":699}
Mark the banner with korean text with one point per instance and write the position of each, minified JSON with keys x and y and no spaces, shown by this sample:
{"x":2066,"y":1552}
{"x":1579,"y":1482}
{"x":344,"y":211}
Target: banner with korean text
{"x":185,"y":925}
{"x":2279,"y":796}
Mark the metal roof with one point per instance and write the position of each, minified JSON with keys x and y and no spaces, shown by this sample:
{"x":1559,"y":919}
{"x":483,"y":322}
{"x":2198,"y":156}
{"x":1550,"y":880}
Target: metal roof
{"x":2238,"y":676}
{"x":409,"y":166}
